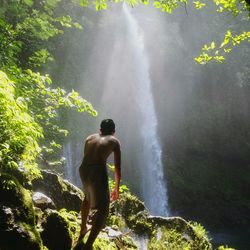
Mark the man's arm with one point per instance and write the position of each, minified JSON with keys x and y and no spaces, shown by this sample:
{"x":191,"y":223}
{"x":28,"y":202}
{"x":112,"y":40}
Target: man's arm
{"x":117,"y":161}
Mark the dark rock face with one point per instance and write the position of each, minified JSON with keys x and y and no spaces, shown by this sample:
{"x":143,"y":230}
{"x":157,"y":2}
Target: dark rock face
{"x":63,"y":193}
{"x":17,"y":224}
{"x":55,"y":234}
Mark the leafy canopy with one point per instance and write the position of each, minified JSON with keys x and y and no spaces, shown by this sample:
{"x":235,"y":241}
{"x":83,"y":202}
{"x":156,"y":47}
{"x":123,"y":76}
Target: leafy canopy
{"x":20,"y":132}
{"x":213,"y":52}
{"x":30,"y":107}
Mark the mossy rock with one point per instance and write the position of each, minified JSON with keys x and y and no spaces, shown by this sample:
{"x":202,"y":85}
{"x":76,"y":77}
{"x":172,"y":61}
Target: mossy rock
{"x":55,"y":231}
{"x":116,"y":221}
{"x":134,"y":212}
{"x":63,"y":193}
{"x":104,"y":241}
{"x":17,"y":220}
{"x":162,"y":232}
{"x":178,"y":234}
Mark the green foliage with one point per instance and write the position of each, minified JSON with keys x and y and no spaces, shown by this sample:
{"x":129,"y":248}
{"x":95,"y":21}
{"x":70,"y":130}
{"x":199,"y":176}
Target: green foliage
{"x":116,"y":221}
{"x":199,"y":230}
{"x":217,"y":53}
{"x":173,"y":240}
{"x":212,"y":53}
{"x":122,"y":188}
{"x":32,"y":107}
{"x":170,"y":239}
{"x":225,"y":248}
{"x":103,"y":242}
{"x":40,"y":57}
{"x":134,"y":213}
{"x":26,"y":32}
{"x":199,"y":5}
{"x":169,"y":5}
{"x":233,"y":6}
{"x":71,"y":217}
{"x":208,"y":54}
{"x":20,"y":132}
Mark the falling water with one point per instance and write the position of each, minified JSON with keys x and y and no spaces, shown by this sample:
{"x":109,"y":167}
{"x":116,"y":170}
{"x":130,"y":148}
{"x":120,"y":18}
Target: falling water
{"x":153,"y":186}
{"x":72,"y":152}
{"x":142,"y":150}
{"x":67,"y":151}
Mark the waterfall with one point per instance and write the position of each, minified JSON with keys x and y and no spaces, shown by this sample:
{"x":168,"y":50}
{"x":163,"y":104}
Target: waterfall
{"x":122,"y":91}
{"x":72,"y":152}
{"x":68,"y":167}
{"x":153,"y":187}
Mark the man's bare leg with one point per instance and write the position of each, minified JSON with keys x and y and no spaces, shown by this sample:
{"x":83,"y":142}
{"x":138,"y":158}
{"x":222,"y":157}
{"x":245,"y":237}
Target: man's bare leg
{"x":84,"y":214}
{"x":98,"y":223}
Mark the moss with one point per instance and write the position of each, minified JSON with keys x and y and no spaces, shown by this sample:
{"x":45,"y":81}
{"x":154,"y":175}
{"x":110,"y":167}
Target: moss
{"x":103,"y":242}
{"x":12,"y":194}
{"x":62,"y":184}
{"x":63,"y":193}
{"x":38,"y":216}
{"x":225,"y":248}
{"x":175,"y":232}
{"x":169,"y":239}
{"x":56,"y":231}
{"x":116,"y":221}
{"x":71,"y":217}
{"x":173,"y":240}
{"x":140,"y":224}
{"x":32,"y":232}
{"x":17,"y":201}
{"x":134,"y":213}
{"x":201,"y":239}
{"x":125,"y":242}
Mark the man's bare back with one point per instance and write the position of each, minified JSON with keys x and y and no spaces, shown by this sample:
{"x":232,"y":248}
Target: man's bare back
{"x":94,"y":176}
{"x":98,"y":147}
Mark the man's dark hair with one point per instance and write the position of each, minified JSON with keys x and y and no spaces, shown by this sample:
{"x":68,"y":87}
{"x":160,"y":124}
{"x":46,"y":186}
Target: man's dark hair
{"x":107,"y":126}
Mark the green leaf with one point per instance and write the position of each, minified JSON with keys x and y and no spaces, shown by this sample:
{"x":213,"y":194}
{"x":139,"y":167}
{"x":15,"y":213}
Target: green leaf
{"x":84,"y":3}
{"x":28,"y":2}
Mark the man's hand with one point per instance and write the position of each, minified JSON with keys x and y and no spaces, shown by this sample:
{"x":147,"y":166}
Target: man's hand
{"x":117,"y":160}
{"x":114,"y":195}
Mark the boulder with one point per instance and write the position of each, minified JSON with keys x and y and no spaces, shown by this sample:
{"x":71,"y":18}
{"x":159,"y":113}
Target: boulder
{"x":17,"y":221}
{"x":42,"y":201}
{"x":63,"y":193}
{"x":188,"y":231}
{"x":161,"y":232}
{"x":55,"y":233}
{"x":134,"y":212}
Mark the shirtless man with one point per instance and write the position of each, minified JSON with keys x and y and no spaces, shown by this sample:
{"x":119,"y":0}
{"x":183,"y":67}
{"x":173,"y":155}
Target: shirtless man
{"x":93,"y":173}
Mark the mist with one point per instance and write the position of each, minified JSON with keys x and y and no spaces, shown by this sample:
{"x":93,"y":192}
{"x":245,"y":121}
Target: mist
{"x":201,"y":112}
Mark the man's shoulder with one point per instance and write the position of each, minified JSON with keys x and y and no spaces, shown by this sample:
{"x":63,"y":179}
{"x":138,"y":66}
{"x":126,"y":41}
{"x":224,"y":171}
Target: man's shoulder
{"x":115,"y":140}
{"x":90,"y":137}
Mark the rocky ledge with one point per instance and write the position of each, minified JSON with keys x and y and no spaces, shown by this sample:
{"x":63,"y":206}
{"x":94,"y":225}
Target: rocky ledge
{"x":45,"y":215}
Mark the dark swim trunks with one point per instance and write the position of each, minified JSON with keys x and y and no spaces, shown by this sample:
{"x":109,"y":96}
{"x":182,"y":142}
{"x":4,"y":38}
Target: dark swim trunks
{"x":96,"y":186}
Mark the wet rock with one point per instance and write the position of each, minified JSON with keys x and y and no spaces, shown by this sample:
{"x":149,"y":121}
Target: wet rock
{"x":161,"y":232}
{"x":134,"y":213}
{"x":174,"y":223}
{"x":17,"y":223}
{"x":63,"y":193}
{"x":55,"y":233}
{"x":112,"y":233}
{"x":42,"y":201}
